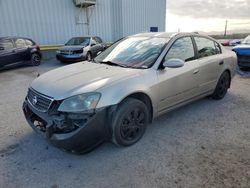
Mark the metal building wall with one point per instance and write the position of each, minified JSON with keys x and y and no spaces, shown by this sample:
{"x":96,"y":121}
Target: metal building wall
{"x":55,"y":21}
{"x":135,"y":16}
{"x":140,"y":15}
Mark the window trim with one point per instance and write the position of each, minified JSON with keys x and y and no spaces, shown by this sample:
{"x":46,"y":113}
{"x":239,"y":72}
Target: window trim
{"x":196,"y":47}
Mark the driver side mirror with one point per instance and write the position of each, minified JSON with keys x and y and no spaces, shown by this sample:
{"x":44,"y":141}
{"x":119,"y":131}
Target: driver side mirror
{"x":174,"y":63}
{"x":1,"y":48}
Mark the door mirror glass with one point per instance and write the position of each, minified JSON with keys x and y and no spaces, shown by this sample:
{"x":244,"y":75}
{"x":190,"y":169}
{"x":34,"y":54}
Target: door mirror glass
{"x":1,"y":48}
{"x":174,"y":63}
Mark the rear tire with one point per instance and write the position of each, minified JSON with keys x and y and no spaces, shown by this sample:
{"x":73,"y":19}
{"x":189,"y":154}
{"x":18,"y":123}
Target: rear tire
{"x":222,"y":86}
{"x":129,"y":122}
{"x":35,"y":59}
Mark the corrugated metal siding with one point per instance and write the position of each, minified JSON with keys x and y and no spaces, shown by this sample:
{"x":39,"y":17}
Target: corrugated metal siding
{"x":116,"y":16}
{"x":140,"y":15}
{"x":55,"y":21}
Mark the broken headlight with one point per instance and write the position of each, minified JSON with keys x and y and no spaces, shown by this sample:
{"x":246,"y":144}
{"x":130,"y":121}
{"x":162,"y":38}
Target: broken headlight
{"x":80,"y":103}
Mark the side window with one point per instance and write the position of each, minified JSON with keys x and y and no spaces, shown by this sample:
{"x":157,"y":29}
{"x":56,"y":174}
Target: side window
{"x":206,"y":47}
{"x":181,"y":49}
{"x":20,"y":43}
{"x":28,"y":42}
{"x":93,"y":41}
{"x":6,"y":45}
{"x":98,"y":39}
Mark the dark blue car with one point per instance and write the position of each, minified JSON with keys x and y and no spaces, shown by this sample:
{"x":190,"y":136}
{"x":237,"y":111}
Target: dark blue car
{"x":243,"y":53}
{"x":19,"y":50}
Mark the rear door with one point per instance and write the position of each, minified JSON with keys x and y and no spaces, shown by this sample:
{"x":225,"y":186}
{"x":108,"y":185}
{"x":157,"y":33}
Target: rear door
{"x":7,"y":55}
{"x":177,"y":85}
{"x":21,"y":50}
{"x":210,"y":63}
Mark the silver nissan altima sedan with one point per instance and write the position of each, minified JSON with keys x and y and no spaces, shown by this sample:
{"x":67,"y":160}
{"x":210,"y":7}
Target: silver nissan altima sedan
{"x":117,"y":94}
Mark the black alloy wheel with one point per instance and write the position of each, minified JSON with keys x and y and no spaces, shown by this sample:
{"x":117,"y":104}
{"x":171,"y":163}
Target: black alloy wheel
{"x":130,"y":122}
{"x":35,"y":59}
{"x":222,"y":86}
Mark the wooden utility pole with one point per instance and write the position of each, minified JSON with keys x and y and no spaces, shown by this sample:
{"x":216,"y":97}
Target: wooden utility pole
{"x":225,"y":33}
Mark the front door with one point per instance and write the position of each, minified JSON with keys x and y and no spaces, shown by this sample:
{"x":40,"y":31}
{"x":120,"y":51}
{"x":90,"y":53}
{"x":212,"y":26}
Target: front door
{"x":176,"y":85}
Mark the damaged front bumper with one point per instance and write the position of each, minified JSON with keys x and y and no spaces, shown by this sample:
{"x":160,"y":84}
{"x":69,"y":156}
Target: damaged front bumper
{"x":78,"y":133}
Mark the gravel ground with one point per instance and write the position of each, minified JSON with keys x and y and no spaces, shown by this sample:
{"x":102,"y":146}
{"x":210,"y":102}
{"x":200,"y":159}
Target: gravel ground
{"x":204,"y":144}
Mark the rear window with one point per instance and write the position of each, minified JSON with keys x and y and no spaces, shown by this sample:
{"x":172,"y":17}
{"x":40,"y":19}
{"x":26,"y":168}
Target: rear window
{"x":206,"y":47}
{"x":29,"y":42}
{"x":6,"y":44}
{"x":20,"y":43}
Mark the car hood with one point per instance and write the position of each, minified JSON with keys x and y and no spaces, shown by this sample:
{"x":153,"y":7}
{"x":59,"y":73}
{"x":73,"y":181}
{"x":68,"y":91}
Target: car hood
{"x":72,"y":47}
{"x":243,"y":49}
{"x":79,"y":78}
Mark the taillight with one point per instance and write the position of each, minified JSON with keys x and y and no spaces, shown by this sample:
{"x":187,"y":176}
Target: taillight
{"x":37,"y":46}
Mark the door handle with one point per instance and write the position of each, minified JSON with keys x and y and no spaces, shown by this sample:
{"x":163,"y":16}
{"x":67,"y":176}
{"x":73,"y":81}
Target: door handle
{"x":221,"y":63}
{"x":196,"y":71}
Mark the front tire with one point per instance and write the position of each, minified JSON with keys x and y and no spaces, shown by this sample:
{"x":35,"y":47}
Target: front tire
{"x":222,"y":86}
{"x":35,"y":59}
{"x":89,"y":56}
{"x":129,"y":122}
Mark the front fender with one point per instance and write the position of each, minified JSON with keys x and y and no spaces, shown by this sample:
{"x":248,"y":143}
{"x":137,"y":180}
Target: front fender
{"x":142,"y":83}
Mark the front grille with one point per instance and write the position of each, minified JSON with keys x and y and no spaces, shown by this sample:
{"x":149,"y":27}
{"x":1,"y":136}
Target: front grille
{"x":39,"y":101}
{"x":244,"y":59}
{"x":66,"y":52}
{"x":78,"y":51}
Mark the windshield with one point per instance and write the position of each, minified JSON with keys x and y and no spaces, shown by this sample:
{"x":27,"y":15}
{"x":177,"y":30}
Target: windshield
{"x":137,"y":52}
{"x":246,"y":40}
{"x":84,"y":41}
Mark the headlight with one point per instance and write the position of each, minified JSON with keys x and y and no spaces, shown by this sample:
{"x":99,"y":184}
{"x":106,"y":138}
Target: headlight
{"x":58,"y":51}
{"x":80,"y":103}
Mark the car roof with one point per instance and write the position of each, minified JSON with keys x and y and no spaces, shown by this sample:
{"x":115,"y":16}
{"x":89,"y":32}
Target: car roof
{"x":170,"y":35}
{"x":86,"y":36}
{"x":14,"y":37}
{"x":163,"y":34}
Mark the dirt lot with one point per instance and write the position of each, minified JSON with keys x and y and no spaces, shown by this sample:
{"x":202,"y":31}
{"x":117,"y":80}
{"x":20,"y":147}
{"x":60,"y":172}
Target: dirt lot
{"x":204,"y":144}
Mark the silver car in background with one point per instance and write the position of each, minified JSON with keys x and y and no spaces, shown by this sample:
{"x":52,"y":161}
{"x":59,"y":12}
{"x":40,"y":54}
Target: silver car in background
{"x":116,"y":95}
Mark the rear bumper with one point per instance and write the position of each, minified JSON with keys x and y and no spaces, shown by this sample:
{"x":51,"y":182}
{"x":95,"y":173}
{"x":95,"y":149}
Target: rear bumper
{"x":71,"y":58}
{"x":92,"y":133}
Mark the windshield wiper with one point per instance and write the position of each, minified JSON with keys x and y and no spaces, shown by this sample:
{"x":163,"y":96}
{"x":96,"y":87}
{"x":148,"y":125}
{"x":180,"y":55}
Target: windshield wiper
{"x":112,"y":63}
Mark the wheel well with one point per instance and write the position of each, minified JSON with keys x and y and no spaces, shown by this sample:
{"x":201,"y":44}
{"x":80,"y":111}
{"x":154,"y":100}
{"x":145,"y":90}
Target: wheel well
{"x":145,"y":99}
{"x":229,"y":72}
{"x":35,"y":52}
